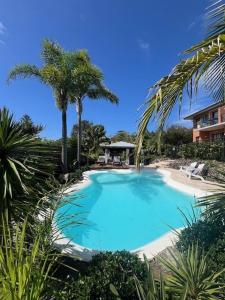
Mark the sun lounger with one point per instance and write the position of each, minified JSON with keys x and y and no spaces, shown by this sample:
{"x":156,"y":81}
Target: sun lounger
{"x":101,"y":160}
{"x":190,"y":168}
{"x":117,"y":160}
{"x":196,"y":172}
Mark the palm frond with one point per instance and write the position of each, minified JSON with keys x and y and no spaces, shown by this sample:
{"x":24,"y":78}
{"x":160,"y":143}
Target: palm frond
{"x":101,"y":92}
{"x":24,"y":71}
{"x":168,"y":91}
{"x":214,"y":205}
{"x":52,"y":53}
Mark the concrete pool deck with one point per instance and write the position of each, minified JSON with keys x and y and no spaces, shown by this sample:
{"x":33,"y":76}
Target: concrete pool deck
{"x":180,"y":179}
{"x":172,"y":177}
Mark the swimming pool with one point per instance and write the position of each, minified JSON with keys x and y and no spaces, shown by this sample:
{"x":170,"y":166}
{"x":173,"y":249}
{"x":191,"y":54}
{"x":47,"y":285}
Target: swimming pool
{"x":122,"y":210}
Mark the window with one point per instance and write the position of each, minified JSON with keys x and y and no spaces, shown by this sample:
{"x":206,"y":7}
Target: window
{"x":214,"y":115}
{"x":216,"y":137}
{"x":204,"y":120}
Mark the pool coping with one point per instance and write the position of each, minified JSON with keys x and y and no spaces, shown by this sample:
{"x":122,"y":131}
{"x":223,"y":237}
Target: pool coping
{"x":150,"y":250}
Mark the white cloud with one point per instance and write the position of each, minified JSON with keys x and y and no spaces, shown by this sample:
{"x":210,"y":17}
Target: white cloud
{"x":2,"y":28}
{"x":143,"y":45}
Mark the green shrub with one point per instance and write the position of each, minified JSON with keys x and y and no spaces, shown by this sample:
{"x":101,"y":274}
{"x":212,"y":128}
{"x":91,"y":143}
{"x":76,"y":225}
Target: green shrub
{"x":71,"y":289}
{"x":201,"y":151}
{"x":217,"y":255}
{"x":105,"y":268}
{"x":210,"y":236}
{"x":204,"y":232}
{"x":117,"y":269}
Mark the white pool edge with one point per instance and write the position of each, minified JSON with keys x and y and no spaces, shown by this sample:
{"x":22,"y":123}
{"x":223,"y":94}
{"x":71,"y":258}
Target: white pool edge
{"x":151,"y":249}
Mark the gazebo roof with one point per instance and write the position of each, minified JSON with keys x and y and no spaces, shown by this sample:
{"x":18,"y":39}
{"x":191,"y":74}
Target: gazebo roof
{"x":120,"y":144}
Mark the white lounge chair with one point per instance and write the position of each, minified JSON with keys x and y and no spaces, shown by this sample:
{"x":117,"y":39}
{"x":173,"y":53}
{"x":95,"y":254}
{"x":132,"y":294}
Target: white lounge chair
{"x":191,"y":167}
{"x":196,"y":172}
{"x":117,"y":160}
{"x":101,"y":160}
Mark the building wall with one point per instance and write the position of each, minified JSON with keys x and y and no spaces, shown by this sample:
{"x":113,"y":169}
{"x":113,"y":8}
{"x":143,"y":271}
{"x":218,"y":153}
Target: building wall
{"x":200,"y":135}
{"x":206,"y":135}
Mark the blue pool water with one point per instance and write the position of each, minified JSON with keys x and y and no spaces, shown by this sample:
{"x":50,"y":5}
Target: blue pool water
{"x":122,"y":211}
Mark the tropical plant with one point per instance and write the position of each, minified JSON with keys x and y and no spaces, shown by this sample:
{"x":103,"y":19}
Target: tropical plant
{"x":92,"y":138}
{"x":24,"y":166}
{"x":190,"y":275}
{"x":214,"y":205}
{"x":56,"y":72}
{"x":152,"y":288}
{"x":205,"y":60}
{"x":87,"y":83}
{"x":122,"y":135}
{"x":24,"y":267}
{"x":28,"y":127}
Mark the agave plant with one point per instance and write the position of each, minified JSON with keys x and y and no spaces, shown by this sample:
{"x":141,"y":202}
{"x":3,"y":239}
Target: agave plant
{"x":24,"y":166}
{"x":206,"y":61}
{"x":191,"y":278}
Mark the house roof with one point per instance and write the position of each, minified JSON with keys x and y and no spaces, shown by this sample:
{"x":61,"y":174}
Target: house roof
{"x":207,"y":108}
{"x":120,"y":144}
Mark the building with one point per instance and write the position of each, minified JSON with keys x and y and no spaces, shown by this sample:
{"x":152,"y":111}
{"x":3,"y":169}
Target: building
{"x":209,"y":123}
{"x":122,"y":149}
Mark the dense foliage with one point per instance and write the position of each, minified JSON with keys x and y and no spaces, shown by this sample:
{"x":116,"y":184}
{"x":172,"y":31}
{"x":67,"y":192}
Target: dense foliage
{"x":29,"y":195}
{"x":92,"y":137}
{"x":206,"y":151}
{"x":26,"y":167}
{"x":28,"y":127}
{"x":124,"y":136}
{"x":105,"y":269}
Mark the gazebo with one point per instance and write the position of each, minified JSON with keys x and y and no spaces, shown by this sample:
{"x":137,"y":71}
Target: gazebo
{"x":123,"y":149}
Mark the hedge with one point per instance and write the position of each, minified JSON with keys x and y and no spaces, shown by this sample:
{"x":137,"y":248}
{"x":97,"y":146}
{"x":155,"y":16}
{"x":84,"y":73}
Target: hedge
{"x":203,"y":151}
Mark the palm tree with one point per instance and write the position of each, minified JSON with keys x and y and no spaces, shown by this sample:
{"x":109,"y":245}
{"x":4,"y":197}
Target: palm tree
{"x":206,"y":61}
{"x":87,"y":82}
{"x":56,"y":72}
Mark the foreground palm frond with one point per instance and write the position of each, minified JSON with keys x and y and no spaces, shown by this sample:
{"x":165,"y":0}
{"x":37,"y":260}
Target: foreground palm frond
{"x":191,"y":275}
{"x":214,"y":204}
{"x":205,"y":59}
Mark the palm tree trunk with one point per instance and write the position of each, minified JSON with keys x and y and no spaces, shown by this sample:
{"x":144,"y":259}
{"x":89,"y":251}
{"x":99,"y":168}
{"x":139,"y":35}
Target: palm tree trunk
{"x":64,"y":141}
{"x":79,"y":138}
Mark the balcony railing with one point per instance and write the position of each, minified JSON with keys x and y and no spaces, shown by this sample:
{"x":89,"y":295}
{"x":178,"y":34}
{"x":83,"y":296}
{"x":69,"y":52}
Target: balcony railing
{"x":206,"y":123}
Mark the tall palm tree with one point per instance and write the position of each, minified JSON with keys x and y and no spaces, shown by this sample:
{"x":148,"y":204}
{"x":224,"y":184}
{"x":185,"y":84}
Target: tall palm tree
{"x":87,"y":83}
{"x":56,"y":72}
{"x":206,"y":61}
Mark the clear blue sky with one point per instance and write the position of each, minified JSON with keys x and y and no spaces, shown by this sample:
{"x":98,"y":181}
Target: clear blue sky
{"x":133,"y":42}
